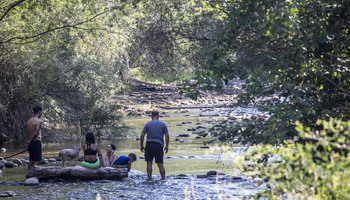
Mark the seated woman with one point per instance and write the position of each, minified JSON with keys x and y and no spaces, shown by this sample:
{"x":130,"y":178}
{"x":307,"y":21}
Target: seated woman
{"x":90,"y":150}
{"x":109,"y":157}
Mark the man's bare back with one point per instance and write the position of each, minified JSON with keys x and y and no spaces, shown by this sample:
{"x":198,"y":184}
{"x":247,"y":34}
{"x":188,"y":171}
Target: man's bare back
{"x":33,"y":129}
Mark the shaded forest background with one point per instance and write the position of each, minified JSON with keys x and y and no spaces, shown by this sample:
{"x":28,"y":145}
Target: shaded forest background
{"x":73,"y":56}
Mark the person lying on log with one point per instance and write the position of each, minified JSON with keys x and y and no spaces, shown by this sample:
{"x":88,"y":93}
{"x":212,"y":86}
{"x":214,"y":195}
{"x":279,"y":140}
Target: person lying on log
{"x":125,"y":161}
{"x":109,"y":157}
{"x":90,"y":150}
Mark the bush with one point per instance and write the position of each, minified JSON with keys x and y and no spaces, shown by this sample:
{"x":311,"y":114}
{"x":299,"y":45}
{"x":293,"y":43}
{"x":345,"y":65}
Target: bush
{"x":317,"y":168}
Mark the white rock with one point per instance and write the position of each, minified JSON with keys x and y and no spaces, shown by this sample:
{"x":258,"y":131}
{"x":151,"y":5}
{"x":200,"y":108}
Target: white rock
{"x":32,"y":181}
{"x":11,"y":193}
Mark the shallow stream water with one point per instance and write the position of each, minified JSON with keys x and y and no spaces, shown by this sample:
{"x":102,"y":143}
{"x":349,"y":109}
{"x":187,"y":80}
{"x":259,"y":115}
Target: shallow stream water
{"x":185,"y":164}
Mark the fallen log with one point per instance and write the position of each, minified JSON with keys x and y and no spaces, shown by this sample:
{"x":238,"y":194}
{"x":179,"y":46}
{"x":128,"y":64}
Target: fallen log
{"x":77,"y":172}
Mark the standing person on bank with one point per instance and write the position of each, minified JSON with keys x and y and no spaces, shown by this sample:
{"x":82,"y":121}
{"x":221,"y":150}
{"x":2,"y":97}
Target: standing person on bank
{"x":33,"y":143}
{"x":155,"y":131}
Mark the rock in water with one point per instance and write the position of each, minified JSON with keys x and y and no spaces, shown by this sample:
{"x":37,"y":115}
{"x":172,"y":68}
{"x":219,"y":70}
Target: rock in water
{"x":16,"y":161}
{"x":11,"y":193}
{"x":44,"y":162}
{"x":212,"y":173}
{"x":9,"y":164}
{"x":184,"y":135}
{"x":31,"y":181}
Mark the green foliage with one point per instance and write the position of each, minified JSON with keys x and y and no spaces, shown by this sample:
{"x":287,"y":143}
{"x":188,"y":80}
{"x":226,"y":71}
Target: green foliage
{"x":168,"y":38}
{"x":57,"y":54}
{"x":73,"y":56}
{"x":316,"y":169}
{"x":295,"y":50}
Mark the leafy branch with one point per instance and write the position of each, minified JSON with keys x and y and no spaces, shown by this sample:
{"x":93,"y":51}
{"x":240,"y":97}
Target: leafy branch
{"x":10,"y":8}
{"x":53,"y":29}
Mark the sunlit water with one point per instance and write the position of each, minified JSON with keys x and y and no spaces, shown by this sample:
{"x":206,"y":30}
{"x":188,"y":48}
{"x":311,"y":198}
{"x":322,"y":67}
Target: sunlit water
{"x":184,"y":162}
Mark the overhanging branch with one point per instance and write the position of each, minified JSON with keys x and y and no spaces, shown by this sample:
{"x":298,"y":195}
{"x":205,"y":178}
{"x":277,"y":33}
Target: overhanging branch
{"x":10,"y":8}
{"x":53,"y":29}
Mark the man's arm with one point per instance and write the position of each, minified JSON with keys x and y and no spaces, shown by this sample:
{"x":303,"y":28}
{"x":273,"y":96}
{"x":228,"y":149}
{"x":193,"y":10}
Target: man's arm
{"x":141,"y":141}
{"x":129,"y":166}
{"x":166,"y":149}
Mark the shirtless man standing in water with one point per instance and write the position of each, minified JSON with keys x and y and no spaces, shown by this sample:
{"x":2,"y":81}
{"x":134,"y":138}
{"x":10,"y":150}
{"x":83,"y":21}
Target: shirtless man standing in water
{"x":33,"y":143}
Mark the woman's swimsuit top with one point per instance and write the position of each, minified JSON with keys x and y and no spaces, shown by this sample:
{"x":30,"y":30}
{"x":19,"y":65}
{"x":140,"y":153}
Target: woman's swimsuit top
{"x":89,"y":151}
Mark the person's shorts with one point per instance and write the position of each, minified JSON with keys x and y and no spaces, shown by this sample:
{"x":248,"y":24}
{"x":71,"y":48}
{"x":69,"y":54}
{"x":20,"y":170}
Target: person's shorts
{"x":154,"y":150}
{"x":91,"y":165}
{"x":34,"y":149}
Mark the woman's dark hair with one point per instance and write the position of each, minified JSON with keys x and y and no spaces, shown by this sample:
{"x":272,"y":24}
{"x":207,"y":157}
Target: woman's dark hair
{"x":90,"y":138}
{"x":113,"y":147}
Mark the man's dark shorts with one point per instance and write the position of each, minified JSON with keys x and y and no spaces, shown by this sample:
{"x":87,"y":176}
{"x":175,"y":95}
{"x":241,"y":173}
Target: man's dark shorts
{"x":154,"y":150}
{"x":34,"y":149}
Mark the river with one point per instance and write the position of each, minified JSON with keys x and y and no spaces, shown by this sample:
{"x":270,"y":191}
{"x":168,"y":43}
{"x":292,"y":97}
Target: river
{"x":186,"y":164}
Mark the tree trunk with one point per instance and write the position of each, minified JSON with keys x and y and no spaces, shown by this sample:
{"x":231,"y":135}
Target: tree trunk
{"x":77,"y":172}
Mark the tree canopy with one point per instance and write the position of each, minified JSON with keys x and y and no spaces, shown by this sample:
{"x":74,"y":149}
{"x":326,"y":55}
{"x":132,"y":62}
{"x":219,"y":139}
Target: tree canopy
{"x":73,"y":56}
{"x":297,"y":51}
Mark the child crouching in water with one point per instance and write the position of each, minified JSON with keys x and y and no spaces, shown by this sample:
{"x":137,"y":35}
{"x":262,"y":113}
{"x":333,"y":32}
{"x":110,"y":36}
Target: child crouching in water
{"x":125,"y":161}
